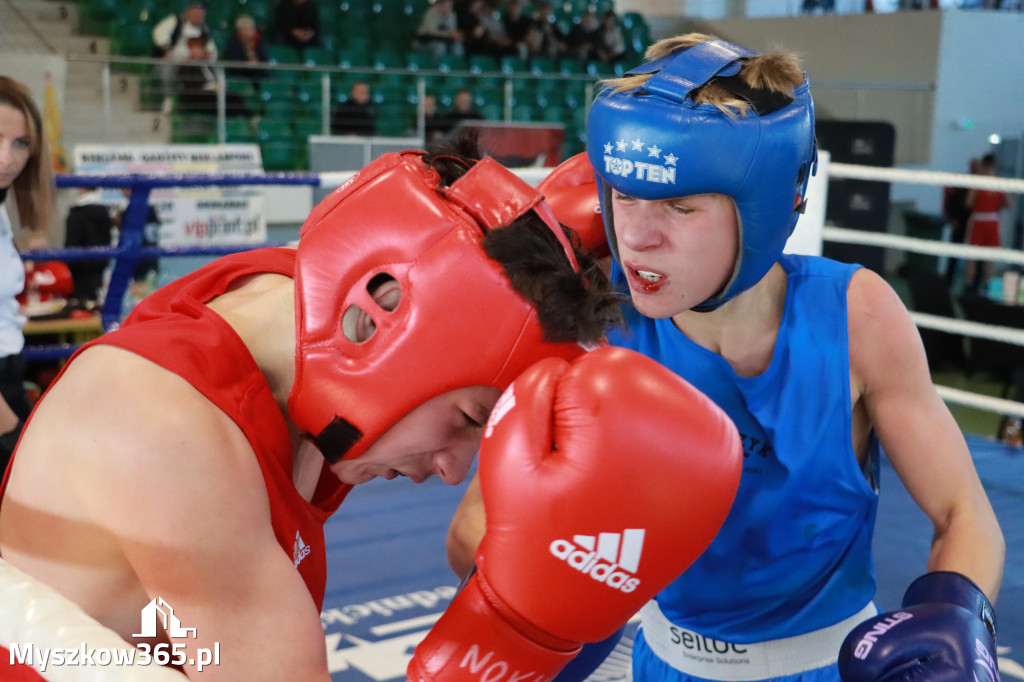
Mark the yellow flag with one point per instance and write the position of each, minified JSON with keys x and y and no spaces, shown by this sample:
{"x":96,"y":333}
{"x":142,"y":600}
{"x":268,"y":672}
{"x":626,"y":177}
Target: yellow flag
{"x":51,"y":127}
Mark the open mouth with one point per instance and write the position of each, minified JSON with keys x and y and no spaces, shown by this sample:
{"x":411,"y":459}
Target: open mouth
{"x":644,"y":280}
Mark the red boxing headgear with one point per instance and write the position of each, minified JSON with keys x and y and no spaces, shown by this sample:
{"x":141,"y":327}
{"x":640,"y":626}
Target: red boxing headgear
{"x":459,"y":321}
{"x":571,"y":192}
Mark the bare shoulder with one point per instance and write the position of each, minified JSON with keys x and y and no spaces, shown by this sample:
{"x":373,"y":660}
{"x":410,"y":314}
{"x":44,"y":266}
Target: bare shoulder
{"x":870,"y":297}
{"x":885,"y":346}
{"x":132,"y":441}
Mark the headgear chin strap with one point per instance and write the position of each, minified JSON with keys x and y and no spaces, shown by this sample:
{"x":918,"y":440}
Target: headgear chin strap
{"x":653,"y":143}
{"x":459,"y":321}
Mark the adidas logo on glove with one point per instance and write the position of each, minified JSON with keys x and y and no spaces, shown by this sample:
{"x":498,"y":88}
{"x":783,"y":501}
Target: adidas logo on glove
{"x":601,"y":557}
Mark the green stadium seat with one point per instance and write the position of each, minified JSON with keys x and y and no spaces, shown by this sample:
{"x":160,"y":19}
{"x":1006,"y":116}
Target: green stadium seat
{"x":283,"y":54}
{"x":353,"y":12}
{"x":349,"y":57}
{"x":280,"y":87}
{"x":193,"y":129}
{"x":483,"y":63}
{"x":552,"y":114}
{"x":281,"y":155}
{"x":492,"y":112}
{"x":571,"y":66}
{"x":240,"y":130}
{"x":278,"y":110}
{"x":541,"y":65}
{"x":318,"y":56}
{"x":513,"y":65}
{"x":421,"y":61}
{"x":95,"y":16}
{"x":394,"y":119}
{"x":522,"y":113}
{"x":452,"y":62}
{"x":262,"y":12}
{"x":308,"y":127}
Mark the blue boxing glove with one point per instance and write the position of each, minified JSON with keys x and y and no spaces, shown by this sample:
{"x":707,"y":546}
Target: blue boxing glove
{"x":945,"y":632}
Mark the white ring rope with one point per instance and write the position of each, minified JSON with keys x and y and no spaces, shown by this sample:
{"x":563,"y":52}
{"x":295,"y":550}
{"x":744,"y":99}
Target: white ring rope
{"x":32,"y":613}
{"x":845,"y":235}
{"x":919,"y":177}
{"x":832,"y":233}
{"x":982,"y":402}
{"x":968,"y":328}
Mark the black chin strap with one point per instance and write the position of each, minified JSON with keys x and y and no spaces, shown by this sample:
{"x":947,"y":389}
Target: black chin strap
{"x":336,"y":439}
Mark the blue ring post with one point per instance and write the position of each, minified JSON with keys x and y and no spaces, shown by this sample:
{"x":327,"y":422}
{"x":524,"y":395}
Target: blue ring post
{"x":130,"y":249}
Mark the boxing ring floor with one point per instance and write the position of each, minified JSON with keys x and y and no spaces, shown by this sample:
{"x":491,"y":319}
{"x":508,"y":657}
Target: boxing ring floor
{"x":388,"y":579}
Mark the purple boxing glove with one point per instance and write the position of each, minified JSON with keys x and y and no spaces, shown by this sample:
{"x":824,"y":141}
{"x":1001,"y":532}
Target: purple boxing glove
{"x":945,"y":632}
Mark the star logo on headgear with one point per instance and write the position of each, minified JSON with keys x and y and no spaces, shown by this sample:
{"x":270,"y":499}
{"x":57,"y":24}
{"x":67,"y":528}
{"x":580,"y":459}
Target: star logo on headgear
{"x":637,"y":145}
{"x":654,"y":151}
{"x":607,"y":147}
{"x":671,"y":159}
{"x":621,"y":145}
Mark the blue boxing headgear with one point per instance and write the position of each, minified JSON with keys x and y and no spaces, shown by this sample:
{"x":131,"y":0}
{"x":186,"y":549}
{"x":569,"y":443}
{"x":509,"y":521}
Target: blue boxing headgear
{"x":653,"y":143}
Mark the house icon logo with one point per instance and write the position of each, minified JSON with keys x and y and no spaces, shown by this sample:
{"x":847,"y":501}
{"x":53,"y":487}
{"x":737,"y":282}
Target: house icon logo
{"x":159,"y":608}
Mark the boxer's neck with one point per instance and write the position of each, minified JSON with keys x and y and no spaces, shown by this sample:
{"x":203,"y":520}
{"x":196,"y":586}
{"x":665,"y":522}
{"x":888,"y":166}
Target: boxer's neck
{"x":261,"y":310}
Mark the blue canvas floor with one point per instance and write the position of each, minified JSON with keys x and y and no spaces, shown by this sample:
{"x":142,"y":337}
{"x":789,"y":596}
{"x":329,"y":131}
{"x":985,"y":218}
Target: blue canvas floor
{"x":388,"y":579}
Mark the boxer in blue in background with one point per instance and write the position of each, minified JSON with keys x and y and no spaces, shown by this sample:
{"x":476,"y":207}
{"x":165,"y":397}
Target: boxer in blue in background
{"x":702,"y":157}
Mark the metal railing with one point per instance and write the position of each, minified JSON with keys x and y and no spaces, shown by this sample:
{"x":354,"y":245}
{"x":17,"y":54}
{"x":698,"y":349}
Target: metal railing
{"x":521,"y":96}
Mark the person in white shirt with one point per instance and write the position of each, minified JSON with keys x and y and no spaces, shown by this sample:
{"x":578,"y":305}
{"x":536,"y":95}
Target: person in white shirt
{"x":179,"y":38}
{"x":25,"y":174}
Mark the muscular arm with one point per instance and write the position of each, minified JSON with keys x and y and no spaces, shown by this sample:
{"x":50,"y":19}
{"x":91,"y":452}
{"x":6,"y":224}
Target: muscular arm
{"x":923,"y":441}
{"x":174,"y":487}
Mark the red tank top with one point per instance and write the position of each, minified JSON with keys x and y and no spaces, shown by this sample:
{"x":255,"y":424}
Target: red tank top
{"x":174,"y":329}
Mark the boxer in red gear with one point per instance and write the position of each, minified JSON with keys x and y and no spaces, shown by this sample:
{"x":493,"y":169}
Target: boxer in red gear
{"x":983,"y":224}
{"x":599,"y":538}
{"x":167,"y":460}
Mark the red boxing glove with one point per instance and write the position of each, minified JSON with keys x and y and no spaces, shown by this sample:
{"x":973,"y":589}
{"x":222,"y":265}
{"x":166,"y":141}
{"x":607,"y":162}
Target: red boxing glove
{"x":45,"y":281}
{"x":571,"y":192}
{"x":602,"y":480}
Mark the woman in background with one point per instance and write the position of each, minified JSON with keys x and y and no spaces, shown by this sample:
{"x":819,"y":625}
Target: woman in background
{"x":25,"y":174}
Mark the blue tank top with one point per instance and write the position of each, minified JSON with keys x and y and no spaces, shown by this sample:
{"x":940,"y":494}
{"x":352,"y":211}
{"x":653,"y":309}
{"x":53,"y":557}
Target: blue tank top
{"x":794,"y":554}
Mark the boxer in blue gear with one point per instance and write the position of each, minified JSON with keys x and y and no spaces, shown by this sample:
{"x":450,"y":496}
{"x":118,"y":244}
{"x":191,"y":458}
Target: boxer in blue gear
{"x":701,"y":158}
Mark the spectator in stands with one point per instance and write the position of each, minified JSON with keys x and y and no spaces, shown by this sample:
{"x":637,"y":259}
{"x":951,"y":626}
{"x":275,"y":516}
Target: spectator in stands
{"x":545,"y":38}
{"x":356,"y":115}
{"x":463,"y":109}
{"x":297,"y":23}
{"x":611,"y":45}
{"x":89,"y":223}
{"x":438,"y":32}
{"x":435,"y":125}
{"x":246,"y":45}
{"x":585,"y":37}
{"x":179,"y":38}
{"x":518,"y":25}
{"x":482,"y":30}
